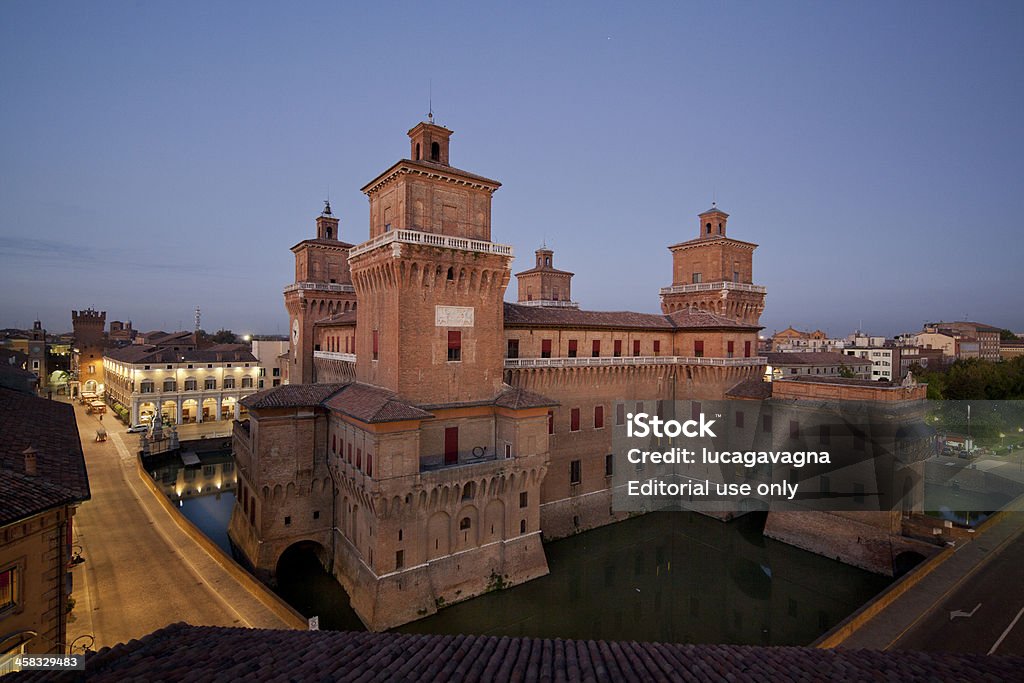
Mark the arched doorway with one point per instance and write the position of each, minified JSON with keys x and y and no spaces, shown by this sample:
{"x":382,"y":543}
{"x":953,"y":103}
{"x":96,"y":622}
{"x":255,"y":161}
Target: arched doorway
{"x":169,"y":411}
{"x":189,"y":410}
{"x":227,"y":408}
{"x":209,"y":409}
{"x":305,"y":585}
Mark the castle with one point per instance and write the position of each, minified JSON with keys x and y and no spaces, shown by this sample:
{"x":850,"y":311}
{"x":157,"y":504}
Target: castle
{"x":432,"y":433}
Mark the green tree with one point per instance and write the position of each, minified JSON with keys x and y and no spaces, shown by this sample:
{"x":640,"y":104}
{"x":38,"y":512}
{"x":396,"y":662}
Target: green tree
{"x":1007,"y":335}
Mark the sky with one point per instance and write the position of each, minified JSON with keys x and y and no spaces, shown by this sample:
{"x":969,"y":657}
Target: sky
{"x":157,"y":156}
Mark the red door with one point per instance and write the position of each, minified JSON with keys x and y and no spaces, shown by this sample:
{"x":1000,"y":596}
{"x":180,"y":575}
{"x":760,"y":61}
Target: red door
{"x":451,"y":445}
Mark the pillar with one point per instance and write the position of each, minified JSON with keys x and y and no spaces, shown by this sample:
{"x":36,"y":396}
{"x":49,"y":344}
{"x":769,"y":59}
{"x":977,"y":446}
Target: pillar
{"x":238,"y":408}
{"x":135,"y":412}
{"x":218,"y":407}
{"x":177,"y":412}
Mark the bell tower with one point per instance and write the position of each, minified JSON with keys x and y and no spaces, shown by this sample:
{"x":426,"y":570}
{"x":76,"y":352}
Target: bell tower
{"x":430,"y":281}
{"x":714,"y":272}
{"x":545,"y":285}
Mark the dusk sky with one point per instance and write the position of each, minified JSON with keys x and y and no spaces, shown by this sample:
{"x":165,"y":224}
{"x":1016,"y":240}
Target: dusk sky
{"x":159,"y":156}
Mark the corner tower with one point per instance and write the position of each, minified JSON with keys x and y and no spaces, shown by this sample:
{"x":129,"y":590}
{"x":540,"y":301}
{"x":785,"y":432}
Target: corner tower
{"x":430,"y":281}
{"x":322,"y":287}
{"x":714,"y":273}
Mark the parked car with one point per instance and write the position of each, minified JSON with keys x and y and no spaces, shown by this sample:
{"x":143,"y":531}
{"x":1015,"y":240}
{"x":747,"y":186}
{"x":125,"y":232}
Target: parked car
{"x":135,"y":429}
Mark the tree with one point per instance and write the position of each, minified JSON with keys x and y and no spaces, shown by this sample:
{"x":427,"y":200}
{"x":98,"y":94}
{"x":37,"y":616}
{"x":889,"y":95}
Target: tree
{"x":1007,"y":335}
{"x":846,"y":371}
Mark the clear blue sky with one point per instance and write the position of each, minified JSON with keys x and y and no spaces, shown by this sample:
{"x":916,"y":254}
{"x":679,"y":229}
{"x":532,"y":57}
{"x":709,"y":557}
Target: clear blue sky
{"x":158,"y":156}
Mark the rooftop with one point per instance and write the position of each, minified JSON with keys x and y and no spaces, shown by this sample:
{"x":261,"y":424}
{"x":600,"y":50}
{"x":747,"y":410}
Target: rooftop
{"x":519,"y":315}
{"x":263,"y":655}
{"x":815,"y":358}
{"x":50,"y":428}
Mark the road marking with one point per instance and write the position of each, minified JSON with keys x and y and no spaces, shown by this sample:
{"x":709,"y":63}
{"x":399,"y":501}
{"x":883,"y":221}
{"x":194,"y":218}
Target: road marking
{"x":1007,"y":631}
{"x":960,"y":613}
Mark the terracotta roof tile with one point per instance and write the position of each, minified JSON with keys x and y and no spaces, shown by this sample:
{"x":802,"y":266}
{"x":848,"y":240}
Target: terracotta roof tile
{"x":539,"y":316}
{"x":750,"y":388}
{"x":517,"y":398}
{"x":291,"y":396}
{"x":252,"y":654}
{"x":50,"y":428}
{"x":372,"y":404}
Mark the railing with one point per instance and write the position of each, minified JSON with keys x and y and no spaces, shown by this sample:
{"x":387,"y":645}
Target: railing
{"x":549,"y":303}
{"x":432,"y":463}
{"x":511,"y":363}
{"x":713,"y":286}
{"x":320,"y":287}
{"x":335,"y":355}
{"x":430,"y":239}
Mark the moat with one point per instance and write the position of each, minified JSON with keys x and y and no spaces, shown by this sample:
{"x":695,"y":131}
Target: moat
{"x":678,"y":577}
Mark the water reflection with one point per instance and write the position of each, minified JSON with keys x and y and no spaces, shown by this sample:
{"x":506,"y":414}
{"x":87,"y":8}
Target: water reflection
{"x":676,"y":577}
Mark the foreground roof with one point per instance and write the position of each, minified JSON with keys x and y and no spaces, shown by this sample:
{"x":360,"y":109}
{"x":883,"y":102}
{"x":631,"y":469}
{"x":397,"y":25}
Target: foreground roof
{"x":291,"y":396}
{"x":49,"y":427}
{"x":183,"y":652}
{"x":149,"y":353}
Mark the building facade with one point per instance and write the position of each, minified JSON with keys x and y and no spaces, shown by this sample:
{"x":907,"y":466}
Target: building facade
{"x":433,"y":433}
{"x":42,"y":481}
{"x":184,"y":385}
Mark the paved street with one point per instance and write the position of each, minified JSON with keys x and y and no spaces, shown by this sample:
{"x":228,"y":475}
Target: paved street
{"x":997,"y":591}
{"x":142,"y":571}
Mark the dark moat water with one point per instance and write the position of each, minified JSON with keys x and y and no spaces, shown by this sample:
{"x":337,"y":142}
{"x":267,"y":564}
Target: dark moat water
{"x":673,"y":576}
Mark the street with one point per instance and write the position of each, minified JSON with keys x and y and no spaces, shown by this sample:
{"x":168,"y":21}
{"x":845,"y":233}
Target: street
{"x":141,"y":570}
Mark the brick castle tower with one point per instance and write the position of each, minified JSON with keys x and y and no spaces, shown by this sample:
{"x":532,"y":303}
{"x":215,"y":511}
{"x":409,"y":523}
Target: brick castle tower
{"x":545,"y":285}
{"x":430,"y":281}
{"x":714,"y":273}
{"x":322,"y":287}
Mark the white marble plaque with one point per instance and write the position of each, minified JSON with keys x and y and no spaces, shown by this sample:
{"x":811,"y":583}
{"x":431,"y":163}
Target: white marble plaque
{"x":453,"y":316}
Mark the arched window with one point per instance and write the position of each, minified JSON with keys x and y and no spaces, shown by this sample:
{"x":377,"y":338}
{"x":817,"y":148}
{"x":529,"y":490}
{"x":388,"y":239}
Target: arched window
{"x":468,"y":491}
{"x":417,"y":151}
{"x":464,"y":524}
{"x":435,"y":151}
{"x":719,"y":228}
{"x":327,"y":232}
{"x":709,"y":228}
{"x":451,"y":273}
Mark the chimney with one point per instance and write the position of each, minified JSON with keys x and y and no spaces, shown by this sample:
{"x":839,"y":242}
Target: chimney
{"x":30,"y":461}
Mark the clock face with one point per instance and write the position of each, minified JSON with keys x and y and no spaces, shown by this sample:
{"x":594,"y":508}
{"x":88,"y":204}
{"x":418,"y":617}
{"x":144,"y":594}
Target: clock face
{"x":295,"y":332}
{"x":35,"y":349}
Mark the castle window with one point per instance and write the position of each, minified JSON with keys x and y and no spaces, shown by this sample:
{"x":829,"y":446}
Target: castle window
{"x":698,"y":348}
{"x":547,"y":260}
{"x":617,"y":350}
{"x":709,"y":228}
{"x":369,"y":464}
{"x":400,"y":554}
{"x":435,"y":151}
{"x":359,"y":458}
{"x":523,"y":499}
{"x":468,"y":491}
{"x":609,"y":464}
{"x":746,"y":349}
{"x":327,"y":233}
{"x":454,"y":346}
{"x":595,"y":348}
{"x":719,"y":228}
{"x":465,"y":522}
{"x":657,"y":346}
{"x":735,"y":276}
{"x":451,"y":274}
{"x":636,"y":347}
{"x":574,"y":420}
{"x":572,"y":347}
{"x":522,"y":526}
{"x":513,"y":349}
{"x":574,"y":472}
{"x":696,"y":278}
{"x":729,"y":349}
{"x":620,"y":413}
{"x":287,"y":521}
{"x":376,"y":343}
{"x":545,"y":348}
{"x":551,"y":422}
{"x":349,"y":454}
{"x":417,"y":151}
{"x":316,"y":514}
{"x":598,"y":417}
